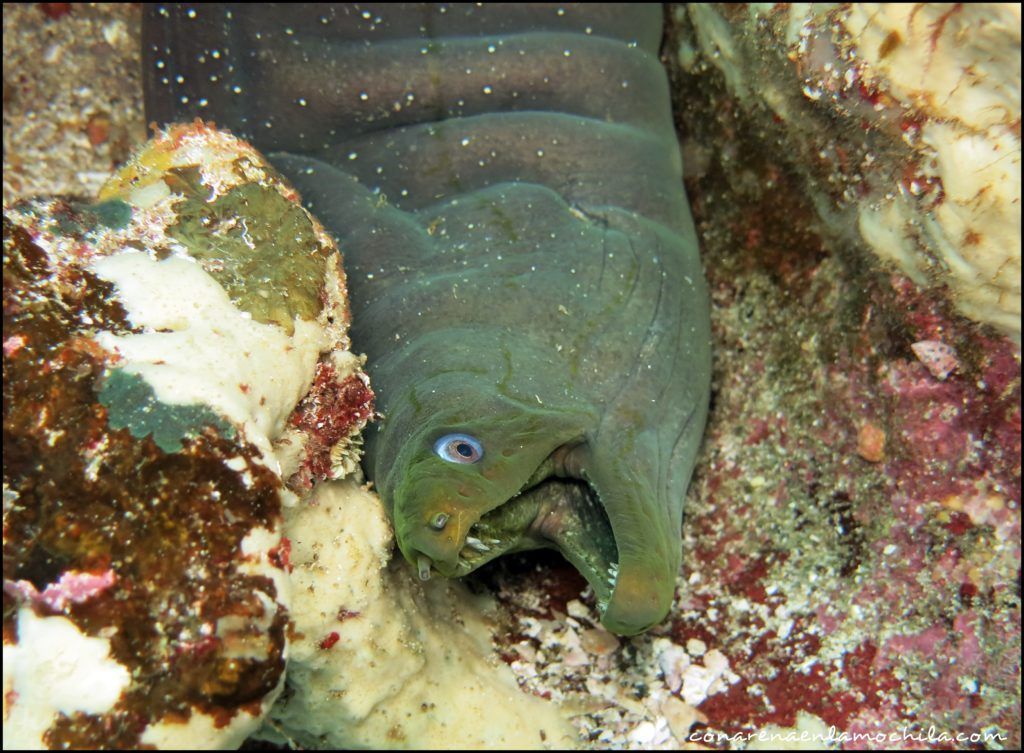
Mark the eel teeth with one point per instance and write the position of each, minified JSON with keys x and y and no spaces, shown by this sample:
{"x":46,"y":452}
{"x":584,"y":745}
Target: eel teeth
{"x":423,"y":565}
{"x":477,"y":544}
{"x":613,"y":574}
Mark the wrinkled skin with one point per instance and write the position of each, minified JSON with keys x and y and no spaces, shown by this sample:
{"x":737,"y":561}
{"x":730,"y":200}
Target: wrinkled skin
{"x":505,"y":185}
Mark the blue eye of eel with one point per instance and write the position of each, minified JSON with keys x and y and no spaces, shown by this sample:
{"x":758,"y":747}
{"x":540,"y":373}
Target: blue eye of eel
{"x":459,"y":448}
{"x":505,"y":184}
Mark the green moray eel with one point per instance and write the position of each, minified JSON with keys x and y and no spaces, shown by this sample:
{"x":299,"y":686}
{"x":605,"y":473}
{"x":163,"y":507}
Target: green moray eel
{"x":506,"y":186}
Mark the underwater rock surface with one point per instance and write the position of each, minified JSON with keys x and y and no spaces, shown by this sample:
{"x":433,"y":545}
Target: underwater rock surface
{"x":156,"y":345}
{"x":854,"y":520}
{"x":378,"y":658}
{"x":903,"y":120}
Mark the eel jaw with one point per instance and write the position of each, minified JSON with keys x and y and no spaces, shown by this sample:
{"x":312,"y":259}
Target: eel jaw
{"x":557,"y":513}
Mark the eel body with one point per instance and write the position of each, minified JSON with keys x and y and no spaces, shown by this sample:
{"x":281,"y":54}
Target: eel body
{"x":506,"y":186}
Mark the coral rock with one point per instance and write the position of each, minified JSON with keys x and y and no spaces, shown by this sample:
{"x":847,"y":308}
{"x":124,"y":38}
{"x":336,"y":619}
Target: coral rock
{"x":904,"y":120}
{"x":155,"y":346}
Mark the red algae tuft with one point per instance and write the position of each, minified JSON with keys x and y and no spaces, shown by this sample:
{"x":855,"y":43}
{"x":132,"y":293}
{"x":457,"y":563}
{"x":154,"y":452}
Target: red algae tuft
{"x":334,"y":410}
{"x":329,"y":640}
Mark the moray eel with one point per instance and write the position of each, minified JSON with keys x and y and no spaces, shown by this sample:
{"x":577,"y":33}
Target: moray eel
{"x":506,"y":186}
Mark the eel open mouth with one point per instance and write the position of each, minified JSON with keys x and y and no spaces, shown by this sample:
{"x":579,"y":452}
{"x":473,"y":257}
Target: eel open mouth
{"x":557,"y":513}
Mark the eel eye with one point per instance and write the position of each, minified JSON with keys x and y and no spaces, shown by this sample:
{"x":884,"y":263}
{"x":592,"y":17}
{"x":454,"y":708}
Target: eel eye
{"x":459,"y":448}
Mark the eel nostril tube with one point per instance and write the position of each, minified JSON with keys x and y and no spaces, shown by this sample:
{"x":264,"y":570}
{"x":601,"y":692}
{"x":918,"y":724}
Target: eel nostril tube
{"x":423,"y":565}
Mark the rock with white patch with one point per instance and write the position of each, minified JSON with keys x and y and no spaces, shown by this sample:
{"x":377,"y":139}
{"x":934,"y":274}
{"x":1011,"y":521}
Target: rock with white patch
{"x":904,"y":120}
{"x":157,"y":345}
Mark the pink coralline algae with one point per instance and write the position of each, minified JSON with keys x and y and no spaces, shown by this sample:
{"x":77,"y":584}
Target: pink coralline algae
{"x":73,"y":587}
{"x":859,"y":560}
{"x":13,"y":344}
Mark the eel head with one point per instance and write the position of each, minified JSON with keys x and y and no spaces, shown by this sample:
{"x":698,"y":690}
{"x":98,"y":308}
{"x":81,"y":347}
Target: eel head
{"x":468,"y":477}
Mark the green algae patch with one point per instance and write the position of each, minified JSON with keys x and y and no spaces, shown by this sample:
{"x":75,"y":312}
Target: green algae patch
{"x":260,"y":247}
{"x":132,"y":404}
{"x":83,"y":220}
{"x":114,"y":214}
